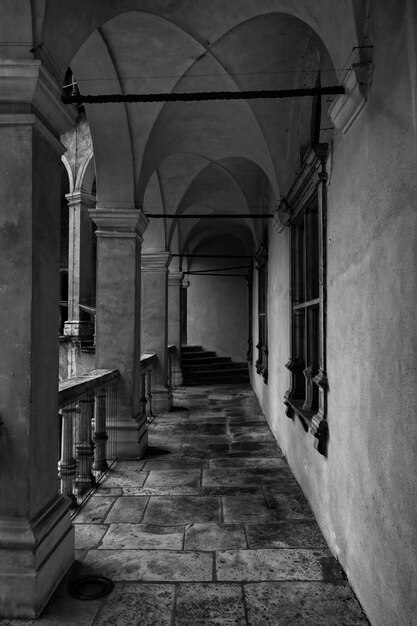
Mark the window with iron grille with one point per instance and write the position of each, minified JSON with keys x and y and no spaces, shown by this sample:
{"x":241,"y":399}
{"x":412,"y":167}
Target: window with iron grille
{"x":307,"y":396}
{"x":262,"y":345}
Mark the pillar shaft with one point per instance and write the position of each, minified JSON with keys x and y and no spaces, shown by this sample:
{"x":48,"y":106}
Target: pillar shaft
{"x":36,"y":536}
{"x":174,"y":323}
{"x":119,"y":236}
{"x":155,"y":322}
{"x":79,"y":262}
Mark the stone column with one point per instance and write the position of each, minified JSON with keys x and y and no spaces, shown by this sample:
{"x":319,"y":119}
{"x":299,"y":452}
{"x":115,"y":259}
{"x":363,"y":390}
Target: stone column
{"x":36,"y":535}
{"x":119,"y":237}
{"x":174,"y":323}
{"x":183,"y":311}
{"x":155,"y":322}
{"x":79,"y":263}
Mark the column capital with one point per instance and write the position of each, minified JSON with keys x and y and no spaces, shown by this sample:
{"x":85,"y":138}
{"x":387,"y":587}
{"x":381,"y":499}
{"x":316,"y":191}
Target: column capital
{"x":155,"y":261}
{"x":28,"y":81}
{"x":119,"y":223}
{"x":81,"y":197}
{"x":175,"y":277}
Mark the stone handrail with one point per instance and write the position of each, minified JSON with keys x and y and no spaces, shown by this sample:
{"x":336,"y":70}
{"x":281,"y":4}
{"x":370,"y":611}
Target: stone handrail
{"x":87,"y":408}
{"x":72,"y":388}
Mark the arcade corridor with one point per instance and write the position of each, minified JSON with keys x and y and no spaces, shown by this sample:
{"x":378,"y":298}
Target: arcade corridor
{"x":237,"y":176}
{"x":210,"y":527}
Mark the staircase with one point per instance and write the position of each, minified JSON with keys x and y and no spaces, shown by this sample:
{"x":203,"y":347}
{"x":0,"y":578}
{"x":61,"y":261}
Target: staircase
{"x":203,"y":367}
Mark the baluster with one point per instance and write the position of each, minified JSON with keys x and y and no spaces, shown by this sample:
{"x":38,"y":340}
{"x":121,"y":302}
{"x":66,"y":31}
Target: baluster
{"x":100,"y":431}
{"x":67,"y":464}
{"x":149,"y":390}
{"x":84,"y":447}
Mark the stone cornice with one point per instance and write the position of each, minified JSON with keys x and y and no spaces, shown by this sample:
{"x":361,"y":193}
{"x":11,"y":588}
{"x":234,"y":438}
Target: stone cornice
{"x":175,"y":277}
{"x":346,"y":107}
{"x":155,"y":261}
{"x":119,"y":222}
{"x":29,"y":82}
{"x":80,"y":197}
{"x":313,"y":170}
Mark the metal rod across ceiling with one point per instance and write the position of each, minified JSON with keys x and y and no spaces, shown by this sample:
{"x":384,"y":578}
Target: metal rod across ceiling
{"x":216,"y":256}
{"x":209,"y":215}
{"x":202,"y":96}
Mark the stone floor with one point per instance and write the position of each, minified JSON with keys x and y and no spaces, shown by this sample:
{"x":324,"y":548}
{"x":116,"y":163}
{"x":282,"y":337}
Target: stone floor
{"x":210,"y":528}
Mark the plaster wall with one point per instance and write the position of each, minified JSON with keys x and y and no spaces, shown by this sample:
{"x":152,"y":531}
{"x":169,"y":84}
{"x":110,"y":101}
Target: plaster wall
{"x":217,"y":315}
{"x":271,"y":394}
{"x":217,"y":307}
{"x":364,"y":493}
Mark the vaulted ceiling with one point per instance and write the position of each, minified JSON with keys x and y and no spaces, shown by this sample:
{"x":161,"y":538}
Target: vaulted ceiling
{"x":206,"y":157}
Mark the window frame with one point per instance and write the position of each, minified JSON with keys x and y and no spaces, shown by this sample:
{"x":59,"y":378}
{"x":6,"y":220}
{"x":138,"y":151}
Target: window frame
{"x":261,"y":258}
{"x":308,"y":401}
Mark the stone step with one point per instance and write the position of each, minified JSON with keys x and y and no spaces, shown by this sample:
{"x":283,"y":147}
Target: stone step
{"x":212,"y":365}
{"x":204,"y":367}
{"x":196,"y":382}
{"x":205,"y":361}
{"x":203,"y":354}
{"x":186,"y":349}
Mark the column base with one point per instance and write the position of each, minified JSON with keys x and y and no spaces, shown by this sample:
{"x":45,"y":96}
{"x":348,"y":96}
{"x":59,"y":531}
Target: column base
{"x":131,"y":438}
{"x":176,"y":377}
{"x":161,"y":398}
{"x":34,"y":557}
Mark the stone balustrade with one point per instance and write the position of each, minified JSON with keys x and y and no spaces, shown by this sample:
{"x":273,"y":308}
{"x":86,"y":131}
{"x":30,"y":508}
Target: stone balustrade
{"x":87,"y":408}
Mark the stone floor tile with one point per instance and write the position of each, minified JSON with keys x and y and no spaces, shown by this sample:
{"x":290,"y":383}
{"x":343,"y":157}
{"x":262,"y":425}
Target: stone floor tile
{"x":207,"y":428}
{"x":159,"y":449}
{"x":170,"y":418}
{"x":217,"y":440}
{"x":170,"y":511}
{"x":263,"y":565}
{"x":94,"y":511}
{"x":244,"y":461}
{"x":243,"y":477}
{"x":254,"y":490}
{"x":150,"y":565}
{"x":108,"y":491}
{"x":79,"y":553}
{"x":212,"y":536}
{"x":242,"y":508}
{"x":288,"y":505}
{"x":292,"y":534}
{"x":125,"y":476}
{"x":205,"y":451}
{"x":175,"y":478}
{"x":203,"y":413}
{"x":143,"y":537}
{"x":89,"y":535}
{"x":210,"y":604}
{"x":138,"y":604}
{"x":178,"y":490}
{"x":127,"y":509}
{"x":61,"y":610}
{"x":255,"y":448}
{"x":175,"y":461}
{"x":302,"y":604}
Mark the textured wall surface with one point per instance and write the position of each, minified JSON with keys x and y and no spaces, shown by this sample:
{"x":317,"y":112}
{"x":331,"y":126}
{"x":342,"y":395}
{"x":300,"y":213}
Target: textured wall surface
{"x":217,"y":315}
{"x":364,"y":493}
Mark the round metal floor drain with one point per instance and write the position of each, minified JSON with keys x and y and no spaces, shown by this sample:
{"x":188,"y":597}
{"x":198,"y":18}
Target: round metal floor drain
{"x":90,"y":587}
